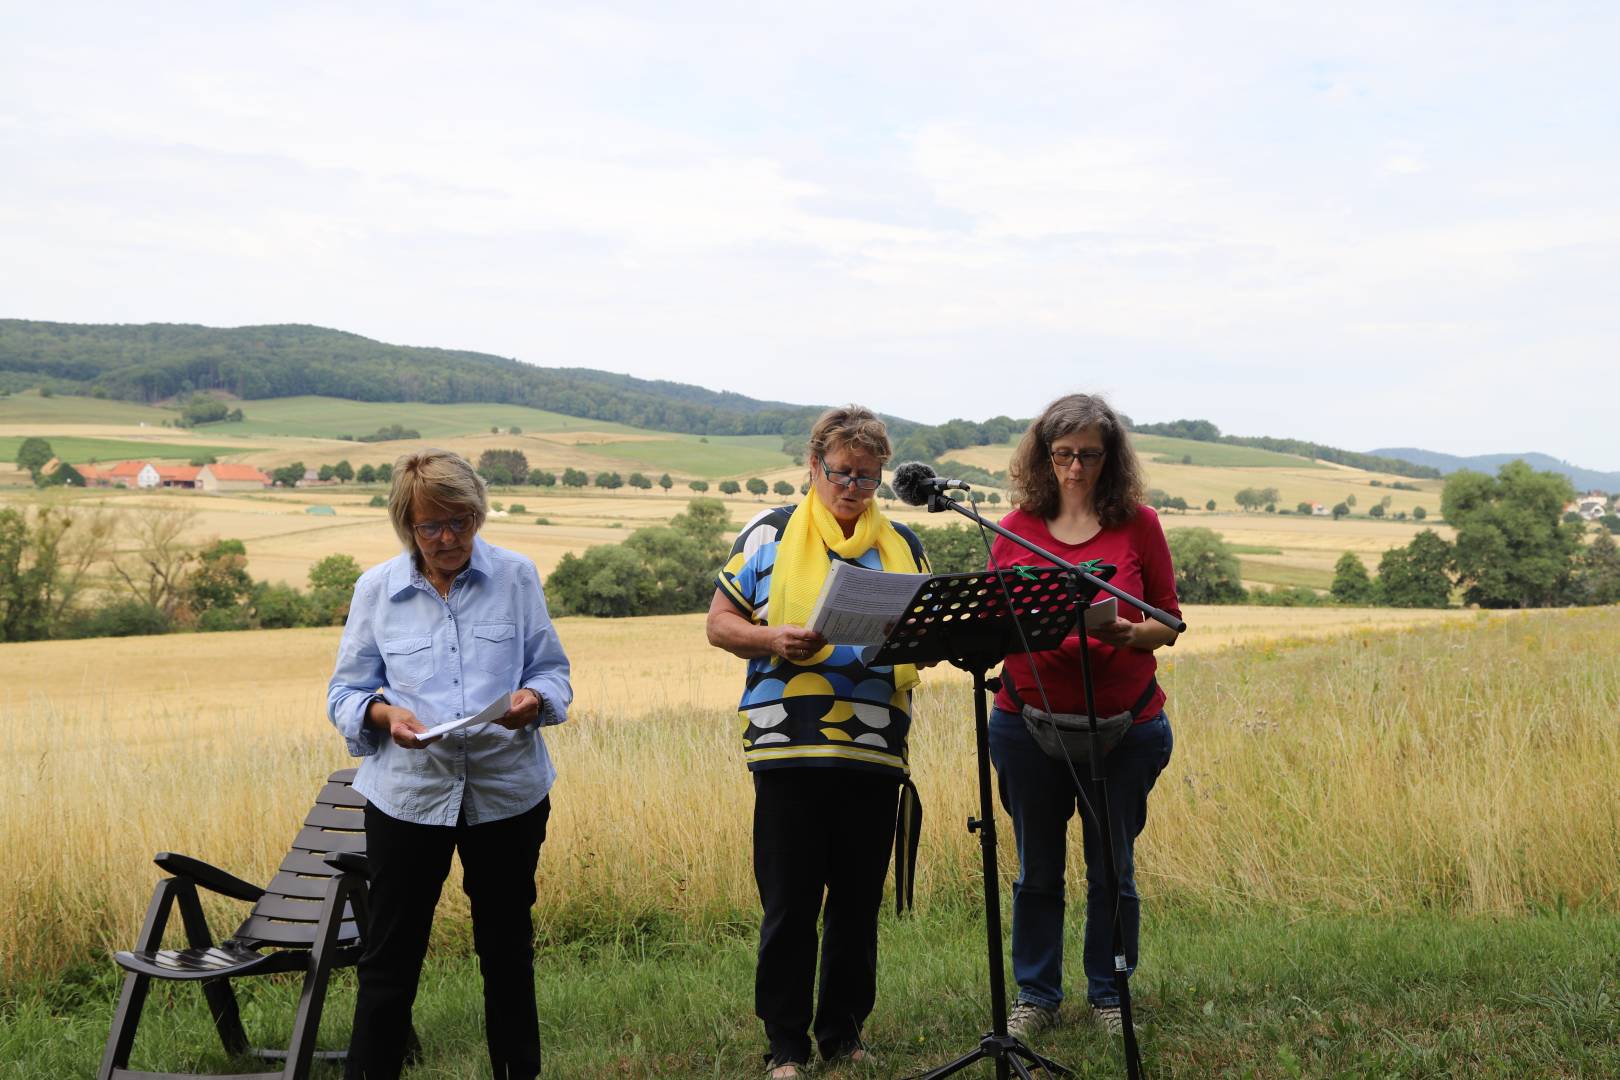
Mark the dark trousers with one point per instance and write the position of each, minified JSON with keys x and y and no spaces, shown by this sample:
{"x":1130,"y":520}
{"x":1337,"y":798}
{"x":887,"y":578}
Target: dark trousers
{"x":1038,"y":794}
{"x":409,"y":863}
{"x":819,"y":832}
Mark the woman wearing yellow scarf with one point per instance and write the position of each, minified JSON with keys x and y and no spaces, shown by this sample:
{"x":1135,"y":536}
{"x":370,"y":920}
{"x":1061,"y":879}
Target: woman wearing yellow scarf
{"x":825,"y":739}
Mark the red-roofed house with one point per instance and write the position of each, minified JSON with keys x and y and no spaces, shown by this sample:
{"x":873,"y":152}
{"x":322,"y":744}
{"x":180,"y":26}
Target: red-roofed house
{"x":133,"y":474}
{"x":178,"y":476}
{"x":95,"y":477}
{"x":222,"y":477}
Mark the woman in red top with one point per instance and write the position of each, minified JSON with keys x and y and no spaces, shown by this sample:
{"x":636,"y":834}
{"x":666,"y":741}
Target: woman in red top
{"x":1078,"y":489}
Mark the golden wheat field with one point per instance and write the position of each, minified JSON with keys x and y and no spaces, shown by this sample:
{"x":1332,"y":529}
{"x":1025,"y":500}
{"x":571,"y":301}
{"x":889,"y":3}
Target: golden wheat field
{"x":1325,"y":759}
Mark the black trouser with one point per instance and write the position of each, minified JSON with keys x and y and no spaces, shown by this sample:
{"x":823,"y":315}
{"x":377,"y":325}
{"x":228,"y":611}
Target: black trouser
{"x":409,"y":863}
{"x":819,"y":830}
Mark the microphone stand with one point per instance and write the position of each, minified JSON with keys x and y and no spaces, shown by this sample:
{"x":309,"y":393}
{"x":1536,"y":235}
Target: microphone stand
{"x":938,"y":501}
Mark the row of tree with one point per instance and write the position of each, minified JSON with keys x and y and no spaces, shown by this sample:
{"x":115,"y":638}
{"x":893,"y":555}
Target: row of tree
{"x":1513,"y":549}
{"x":74,"y":572}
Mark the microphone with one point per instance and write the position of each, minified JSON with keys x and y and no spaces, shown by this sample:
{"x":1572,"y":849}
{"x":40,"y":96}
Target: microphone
{"x":914,"y":482}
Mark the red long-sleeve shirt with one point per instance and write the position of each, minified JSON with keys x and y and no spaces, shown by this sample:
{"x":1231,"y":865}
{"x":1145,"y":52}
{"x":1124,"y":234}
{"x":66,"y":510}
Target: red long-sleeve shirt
{"x":1119,"y":675}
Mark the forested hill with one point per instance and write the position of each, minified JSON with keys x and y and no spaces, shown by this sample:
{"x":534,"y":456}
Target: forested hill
{"x":1583,"y":479}
{"x":157,"y":361}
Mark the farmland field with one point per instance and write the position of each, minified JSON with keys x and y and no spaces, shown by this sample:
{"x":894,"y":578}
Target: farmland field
{"x":283,"y":541}
{"x":78,"y":451}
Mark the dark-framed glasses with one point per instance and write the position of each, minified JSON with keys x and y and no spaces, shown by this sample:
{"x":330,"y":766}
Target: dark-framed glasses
{"x":844,"y":479}
{"x":1064,"y":457}
{"x":432,"y":530}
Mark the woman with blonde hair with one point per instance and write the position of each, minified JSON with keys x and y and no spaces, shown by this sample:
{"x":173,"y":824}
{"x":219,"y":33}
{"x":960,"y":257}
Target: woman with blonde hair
{"x":1078,"y":490}
{"x":447,"y":627}
{"x":825,"y":739}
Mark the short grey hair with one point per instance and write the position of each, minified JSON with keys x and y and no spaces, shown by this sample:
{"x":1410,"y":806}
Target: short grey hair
{"x":443,"y":477}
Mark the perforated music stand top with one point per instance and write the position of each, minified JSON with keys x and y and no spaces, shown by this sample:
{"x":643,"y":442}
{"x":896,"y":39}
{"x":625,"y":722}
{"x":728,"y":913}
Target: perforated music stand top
{"x":965,"y":616}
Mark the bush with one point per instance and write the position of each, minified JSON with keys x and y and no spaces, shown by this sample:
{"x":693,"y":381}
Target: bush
{"x":503,"y":466}
{"x":1206,"y":570}
{"x":664,"y":569}
{"x":952,"y":549}
{"x":1287,"y":596}
{"x":215,"y":620}
{"x":278,"y":606}
{"x":121,"y":618}
{"x":1351,"y":582}
{"x":517,"y":508}
{"x":1415,"y":576}
{"x":729,"y":487}
{"x":378,"y":500}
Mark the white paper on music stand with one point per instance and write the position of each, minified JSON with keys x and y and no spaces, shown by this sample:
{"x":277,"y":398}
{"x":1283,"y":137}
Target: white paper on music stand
{"x":495,"y":708}
{"x":858,"y":606}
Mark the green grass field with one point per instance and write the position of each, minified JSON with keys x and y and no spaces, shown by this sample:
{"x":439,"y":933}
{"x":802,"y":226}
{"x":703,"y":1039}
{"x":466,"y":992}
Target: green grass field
{"x":80,"y":450}
{"x":1218,"y":996}
{"x":721,"y":455}
{"x":30,"y":408}
{"x":328,"y":418}
{"x":1273,"y":574}
{"x":1220,"y":455}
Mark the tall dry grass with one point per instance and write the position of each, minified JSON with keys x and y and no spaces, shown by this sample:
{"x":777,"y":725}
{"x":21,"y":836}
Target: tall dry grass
{"x":1468,"y":764}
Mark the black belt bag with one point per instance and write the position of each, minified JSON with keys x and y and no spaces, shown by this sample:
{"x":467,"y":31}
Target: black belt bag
{"x":1067,"y":736}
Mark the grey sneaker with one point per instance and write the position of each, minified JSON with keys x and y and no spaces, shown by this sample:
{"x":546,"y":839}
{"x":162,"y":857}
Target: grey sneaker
{"x":1030,"y":1019}
{"x":1108,"y":1019}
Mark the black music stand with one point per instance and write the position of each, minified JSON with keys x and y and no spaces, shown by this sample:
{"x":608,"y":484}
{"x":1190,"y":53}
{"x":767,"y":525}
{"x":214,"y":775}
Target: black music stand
{"x":965,"y":619}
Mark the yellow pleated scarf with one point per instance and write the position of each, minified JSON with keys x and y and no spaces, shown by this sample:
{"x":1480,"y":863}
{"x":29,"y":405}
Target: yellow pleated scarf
{"x":801,"y":565}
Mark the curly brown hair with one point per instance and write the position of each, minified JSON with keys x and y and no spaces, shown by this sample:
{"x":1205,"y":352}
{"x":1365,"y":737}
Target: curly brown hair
{"x":1120,"y":487}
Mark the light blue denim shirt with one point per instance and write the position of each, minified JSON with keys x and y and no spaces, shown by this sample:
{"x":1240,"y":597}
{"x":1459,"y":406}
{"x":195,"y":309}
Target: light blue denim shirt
{"x":445,"y":659}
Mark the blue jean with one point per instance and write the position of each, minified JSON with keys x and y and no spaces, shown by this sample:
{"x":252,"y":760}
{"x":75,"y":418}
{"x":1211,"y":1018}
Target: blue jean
{"x":1039,"y":794}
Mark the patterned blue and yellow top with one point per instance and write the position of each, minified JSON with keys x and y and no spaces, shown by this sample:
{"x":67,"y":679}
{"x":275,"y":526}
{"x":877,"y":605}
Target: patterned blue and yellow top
{"x":838,"y":712}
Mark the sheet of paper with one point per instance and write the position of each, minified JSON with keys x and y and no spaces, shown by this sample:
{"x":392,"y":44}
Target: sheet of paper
{"x":1102,"y":614}
{"x":858,"y":606}
{"x":495,"y":708}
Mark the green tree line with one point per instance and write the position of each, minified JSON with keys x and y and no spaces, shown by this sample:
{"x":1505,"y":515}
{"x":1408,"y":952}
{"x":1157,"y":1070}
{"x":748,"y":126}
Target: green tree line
{"x":79,"y":572}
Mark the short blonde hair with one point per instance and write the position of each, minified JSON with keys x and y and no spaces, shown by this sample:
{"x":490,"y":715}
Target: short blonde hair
{"x":850,"y":427}
{"x":443,"y":477}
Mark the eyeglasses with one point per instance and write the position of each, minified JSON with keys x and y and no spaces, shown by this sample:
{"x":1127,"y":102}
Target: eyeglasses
{"x":1089,"y":459}
{"x":844,"y":479}
{"x":432,"y":530}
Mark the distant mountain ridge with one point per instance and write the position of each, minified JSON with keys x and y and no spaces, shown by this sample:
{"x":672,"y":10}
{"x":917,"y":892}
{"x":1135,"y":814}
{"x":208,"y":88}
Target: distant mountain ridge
{"x":1583,"y":479}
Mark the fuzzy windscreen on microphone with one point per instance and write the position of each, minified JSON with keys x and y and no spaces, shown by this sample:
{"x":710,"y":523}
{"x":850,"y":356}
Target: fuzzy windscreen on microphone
{"x":911,"y":483}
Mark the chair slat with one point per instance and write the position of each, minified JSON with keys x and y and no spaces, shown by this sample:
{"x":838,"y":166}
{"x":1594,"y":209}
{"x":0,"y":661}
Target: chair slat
{"x":298,"y":885}
{"x":336,"y":817}
{"x":312,"y":839}
{"x":261,"y":931}
{"x":290,"y":908}
{"x":340,"y":795}
{"x":343,"y":776}
{"x":306,"y":862}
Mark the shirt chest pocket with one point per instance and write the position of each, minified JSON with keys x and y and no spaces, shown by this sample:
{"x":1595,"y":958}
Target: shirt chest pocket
{"x":408,"y":660}
{"x":495,"y":648}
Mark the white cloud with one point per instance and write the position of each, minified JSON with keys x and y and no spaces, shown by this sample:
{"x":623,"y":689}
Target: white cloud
{"x":1217,"y":211}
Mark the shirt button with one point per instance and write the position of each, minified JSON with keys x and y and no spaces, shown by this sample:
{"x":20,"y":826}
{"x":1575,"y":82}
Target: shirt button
{"x":452,"y":648}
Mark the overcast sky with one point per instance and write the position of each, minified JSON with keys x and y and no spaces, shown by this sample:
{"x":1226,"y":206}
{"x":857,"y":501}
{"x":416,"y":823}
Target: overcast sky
{"x":1365,"y":224}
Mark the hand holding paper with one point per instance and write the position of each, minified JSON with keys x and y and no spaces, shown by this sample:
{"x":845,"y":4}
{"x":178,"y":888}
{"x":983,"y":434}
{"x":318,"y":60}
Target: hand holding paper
{"x":496,"y":708}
